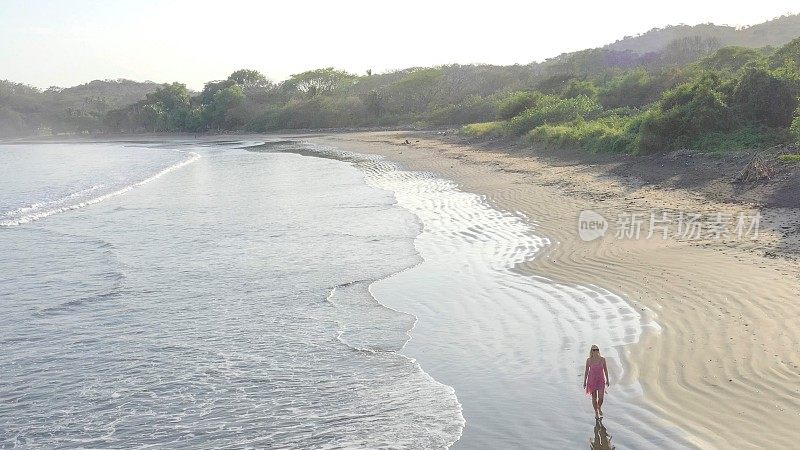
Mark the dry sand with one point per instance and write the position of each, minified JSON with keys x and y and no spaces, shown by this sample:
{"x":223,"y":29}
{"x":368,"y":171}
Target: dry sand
{"x":725,"y":365}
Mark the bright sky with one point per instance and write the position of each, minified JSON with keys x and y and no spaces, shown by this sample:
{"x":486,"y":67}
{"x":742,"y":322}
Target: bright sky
{"x":70,"y":42}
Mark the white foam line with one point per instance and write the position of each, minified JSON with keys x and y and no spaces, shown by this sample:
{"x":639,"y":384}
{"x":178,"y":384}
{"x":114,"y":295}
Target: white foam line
{"x":341,"y":329}
{"x":38,"y":205}
{"x":397,"y":353}
{"x":30,"y":218}
{"x":322,"y":151}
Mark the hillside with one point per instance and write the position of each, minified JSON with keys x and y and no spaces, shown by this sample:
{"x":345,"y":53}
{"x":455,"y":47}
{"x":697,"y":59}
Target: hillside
{"x":773,"y":33}
{"x":26,"y":110}
{"x":111,"y":93}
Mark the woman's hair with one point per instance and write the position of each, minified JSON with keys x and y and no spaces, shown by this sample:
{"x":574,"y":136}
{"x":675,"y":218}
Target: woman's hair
{"x":592,"y":348}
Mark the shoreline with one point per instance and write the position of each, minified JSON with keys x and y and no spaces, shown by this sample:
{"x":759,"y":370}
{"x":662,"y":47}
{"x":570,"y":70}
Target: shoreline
{"x":746,"y":359}
{"x":722,"y":366}
{"x":468,"y":298}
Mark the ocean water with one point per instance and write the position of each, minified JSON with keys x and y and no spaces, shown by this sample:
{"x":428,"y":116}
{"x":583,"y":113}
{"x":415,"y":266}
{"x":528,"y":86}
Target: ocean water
{"x":40,"y":180}
{"x":193,"y":309}
{"x":284,"y":294}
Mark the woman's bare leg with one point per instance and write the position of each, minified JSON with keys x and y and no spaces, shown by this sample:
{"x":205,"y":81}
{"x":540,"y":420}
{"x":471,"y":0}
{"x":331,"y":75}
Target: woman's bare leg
{"x":594,"y":402}
{"x":600,"y":394}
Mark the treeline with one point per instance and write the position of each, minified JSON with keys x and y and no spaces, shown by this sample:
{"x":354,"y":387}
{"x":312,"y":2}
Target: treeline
{"x":326,"y":98}
{"x":26,"y":110}
{"x":691,"y":92}
{"x":735,"y":98}
{"x":424,"y":96}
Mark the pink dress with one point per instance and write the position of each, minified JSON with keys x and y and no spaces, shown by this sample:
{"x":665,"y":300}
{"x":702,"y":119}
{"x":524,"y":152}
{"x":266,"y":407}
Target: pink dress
{"x":596,"y":380}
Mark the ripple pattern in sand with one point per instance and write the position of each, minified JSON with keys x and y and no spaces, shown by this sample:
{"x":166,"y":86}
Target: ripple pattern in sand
{"x":511,"y":345}
{"x":724,"y":365}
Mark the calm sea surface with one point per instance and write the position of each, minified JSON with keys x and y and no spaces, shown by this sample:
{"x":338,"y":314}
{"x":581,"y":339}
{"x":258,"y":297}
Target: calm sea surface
{"x":191,"y":309}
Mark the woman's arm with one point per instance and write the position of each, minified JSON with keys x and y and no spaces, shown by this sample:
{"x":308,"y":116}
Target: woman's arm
{"x":586,"y":372}
{"x":605,"y":369}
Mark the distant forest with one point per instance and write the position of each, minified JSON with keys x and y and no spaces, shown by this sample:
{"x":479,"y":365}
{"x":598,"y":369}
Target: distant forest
{"x":704,"y":87}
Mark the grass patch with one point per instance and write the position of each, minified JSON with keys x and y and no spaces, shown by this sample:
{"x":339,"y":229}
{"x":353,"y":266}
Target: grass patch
{"x":609,"y":134}
{"x":793,"y":158}
{"x":744,"y":138}
{"x":553,"y":110}
{"x":485,"y":129}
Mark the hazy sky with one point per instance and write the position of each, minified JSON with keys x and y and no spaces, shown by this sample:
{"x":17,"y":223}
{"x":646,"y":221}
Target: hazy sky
{"x":70,"y":42}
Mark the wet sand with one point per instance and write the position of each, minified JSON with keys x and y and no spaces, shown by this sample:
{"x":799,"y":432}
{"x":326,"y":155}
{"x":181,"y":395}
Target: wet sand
{"x":721,"y":365}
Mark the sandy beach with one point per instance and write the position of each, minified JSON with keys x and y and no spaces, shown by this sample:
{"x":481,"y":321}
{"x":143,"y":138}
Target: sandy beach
{"x":722,"y":364}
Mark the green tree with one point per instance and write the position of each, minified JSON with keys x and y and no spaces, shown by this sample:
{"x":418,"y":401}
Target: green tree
{"x":516,"y":102}
{"x":763,"y":97}
{"x":684,"y":115}
{"x":12,"y":123}
{"x":730,"y":59}
{"x":687,"y":49}
{"x":554,"y":110}
{"x":417,"y":89}
{"x":255,"y":86}
{"x":794,"y":129}
{"x":211,"y":88}
{"x":153,"y":117}
{"x":223,"y":111}
{"x":320,"y":81}
{"x":247,"y":78}
{"x":635,"y":88}
{"x":576,"y":88}
{"x":375,"y":103}
{"x":787,"y":56}
{"x":166,"y":109}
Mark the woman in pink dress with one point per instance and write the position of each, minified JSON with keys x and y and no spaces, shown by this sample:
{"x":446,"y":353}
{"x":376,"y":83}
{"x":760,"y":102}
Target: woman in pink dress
{"x":595,"y":379}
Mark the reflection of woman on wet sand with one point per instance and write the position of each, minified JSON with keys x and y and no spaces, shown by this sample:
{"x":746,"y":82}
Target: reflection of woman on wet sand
{"x":594,"y":378}
{"x":602,"y":441}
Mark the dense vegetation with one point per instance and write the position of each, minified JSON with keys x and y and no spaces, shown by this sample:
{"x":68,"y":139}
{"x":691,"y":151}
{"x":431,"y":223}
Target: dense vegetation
{"x":733,"y":98}
{"x":671,"y":88}
{"x":25,"y":110}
